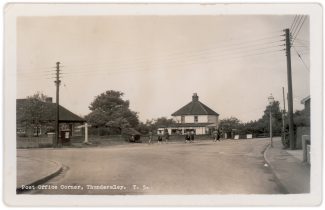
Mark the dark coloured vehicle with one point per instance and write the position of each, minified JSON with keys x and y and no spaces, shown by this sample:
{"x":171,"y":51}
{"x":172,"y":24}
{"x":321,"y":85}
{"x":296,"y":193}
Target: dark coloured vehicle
{"x":131,"y":135}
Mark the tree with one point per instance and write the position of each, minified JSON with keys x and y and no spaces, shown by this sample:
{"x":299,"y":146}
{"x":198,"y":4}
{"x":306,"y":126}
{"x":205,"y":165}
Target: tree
{"x":229,"y":124}
{"x":163,"y":122}
{"x":110,"y":110}
{"x":301,"y":118}
{"x":38,"y":96}
{"x":153,"y":124}
{"x":276,"y":118}
{"x":31,"y":112}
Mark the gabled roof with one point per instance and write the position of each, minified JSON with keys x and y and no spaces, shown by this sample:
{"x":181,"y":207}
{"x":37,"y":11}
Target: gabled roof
{"x":304,"y":100}
{"x":48,"y":111}
{"x":195,"y":107}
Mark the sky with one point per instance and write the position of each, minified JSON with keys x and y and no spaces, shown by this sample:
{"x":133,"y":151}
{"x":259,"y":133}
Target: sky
{"x":232,"y":62}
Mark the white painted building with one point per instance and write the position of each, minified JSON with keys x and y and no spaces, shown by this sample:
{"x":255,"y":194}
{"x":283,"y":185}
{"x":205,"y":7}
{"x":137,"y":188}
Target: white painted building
{"x":194,"y":116}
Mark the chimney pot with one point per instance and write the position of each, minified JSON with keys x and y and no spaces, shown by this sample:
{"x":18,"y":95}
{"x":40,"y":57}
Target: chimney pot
{"x":48,"y":100}
{"x":195,"y":97}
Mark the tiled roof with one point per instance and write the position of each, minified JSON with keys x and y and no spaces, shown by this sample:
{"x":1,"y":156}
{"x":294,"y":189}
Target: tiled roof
{"x":195,"y":107}
{"x":48,"y":111}
{"x":304,"y":100}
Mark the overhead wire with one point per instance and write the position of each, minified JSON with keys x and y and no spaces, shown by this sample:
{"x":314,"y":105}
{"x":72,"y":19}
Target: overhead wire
{"x":181,"y":64}
{"x":293,"y":24}
{"x":201,"y":54}
{"x":182,"y":61}
{"x":299,"y":56}
{"x":295,"y":36}
{"x":220,"y":46}
{"x":236,"y":51}
{"x":294,"y":29}
{"x":302,"y":43}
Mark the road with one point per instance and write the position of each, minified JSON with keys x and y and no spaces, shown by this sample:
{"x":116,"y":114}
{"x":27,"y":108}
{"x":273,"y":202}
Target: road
{"x":205,"y":167}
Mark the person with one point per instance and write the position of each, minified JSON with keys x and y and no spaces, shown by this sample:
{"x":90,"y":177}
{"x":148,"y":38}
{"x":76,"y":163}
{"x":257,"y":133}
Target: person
{"x":150,"y":137}
{"x":192,"y":136}
{"x":215,"y":136}
{"x":166,"y":135}
{"x":159,"y":138}
{"x":285,"y":137}
{"x":132,"y":138}
{"x":218,"y":135}
{"x":187,"y":137}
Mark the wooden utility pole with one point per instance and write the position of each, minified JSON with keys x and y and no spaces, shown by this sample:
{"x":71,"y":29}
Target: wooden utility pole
{"x":290,"y":94}
{"x":57,"y":127}
{"x":283,"y":116}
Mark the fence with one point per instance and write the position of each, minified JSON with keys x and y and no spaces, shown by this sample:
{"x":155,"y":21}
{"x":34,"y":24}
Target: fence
{"x":34,"y":142}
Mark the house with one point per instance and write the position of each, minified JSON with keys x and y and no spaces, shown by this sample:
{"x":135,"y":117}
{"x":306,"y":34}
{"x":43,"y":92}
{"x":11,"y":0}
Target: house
{"x":36,"y":118}
{"x":306,"y":103}
{"x":303,"y":133}
{"x":302,"y":122}
{"x":194,"y":116}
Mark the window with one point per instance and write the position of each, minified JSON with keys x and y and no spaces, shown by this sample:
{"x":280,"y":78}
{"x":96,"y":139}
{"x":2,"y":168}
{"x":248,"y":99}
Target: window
{"x":196,"y":119}
{"x":182,"y":119}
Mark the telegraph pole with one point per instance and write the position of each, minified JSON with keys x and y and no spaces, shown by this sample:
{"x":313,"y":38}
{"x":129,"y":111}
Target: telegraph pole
{"x":290,"y":94}
{"x":57,"y":127}
{"x":283,"y":116}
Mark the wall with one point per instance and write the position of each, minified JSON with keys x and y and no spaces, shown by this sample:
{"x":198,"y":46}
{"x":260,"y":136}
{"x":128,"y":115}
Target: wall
{"x":212,"y":119}
{"x":299,"y":132}
{"x":34,"y":142}
{"x":177,"y":119}
{"x":190,"y":118}
{"x":201,"y":119}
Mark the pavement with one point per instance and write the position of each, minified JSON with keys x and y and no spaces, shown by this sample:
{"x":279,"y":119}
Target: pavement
{"x":287,"y":165}
{"x":32,"y":171}
{"x":205,"y":167}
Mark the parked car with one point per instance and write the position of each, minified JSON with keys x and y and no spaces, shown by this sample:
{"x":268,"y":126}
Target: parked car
{"x":131,"y":135}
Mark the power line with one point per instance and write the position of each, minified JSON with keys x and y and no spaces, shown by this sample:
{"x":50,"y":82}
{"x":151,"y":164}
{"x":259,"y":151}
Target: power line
{"x":301,"y":59}
{"x":302,"y":43}
{"x":200,"y":57}
{"x":182,"y":64}
{"x":299,"y":29}
{"x":260,"y":40}
{"x":296,"y":26}
{"x":301,"y":46}
{"x":302,"y":40}
{"x":220,"y":46}
{"x":293,"y":23}
{"x":232,"y":46}
{"x":238,"y":50}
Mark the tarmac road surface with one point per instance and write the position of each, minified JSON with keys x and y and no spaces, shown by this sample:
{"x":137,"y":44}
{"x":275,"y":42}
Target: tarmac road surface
{"x":204,"y":167}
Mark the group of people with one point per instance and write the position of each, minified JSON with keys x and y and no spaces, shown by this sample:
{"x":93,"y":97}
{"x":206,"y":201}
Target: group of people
{"x":160,"y":137}
{"x":189,"y":137}
{"x":217,"y":135}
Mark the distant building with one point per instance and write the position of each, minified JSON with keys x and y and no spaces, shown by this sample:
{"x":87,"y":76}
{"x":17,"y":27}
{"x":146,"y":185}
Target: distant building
{"x":306,"y":103}
{"x":194,"y":116}
{"x":38,"y":118}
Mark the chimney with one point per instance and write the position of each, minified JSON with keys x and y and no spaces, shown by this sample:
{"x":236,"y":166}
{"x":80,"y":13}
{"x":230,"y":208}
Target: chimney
{"x":48,"y":100}
{"x":195,"y":97}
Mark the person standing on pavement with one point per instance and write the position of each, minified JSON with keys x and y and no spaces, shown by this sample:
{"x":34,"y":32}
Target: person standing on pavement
{"x":218,"y":134}
{"x":215,"y":136}
{"x":192,"y":136}
{"x":150,"y":137}
{"x":187,"y":137}
{"x":166,"y":135}
{"x":159,"y":138}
